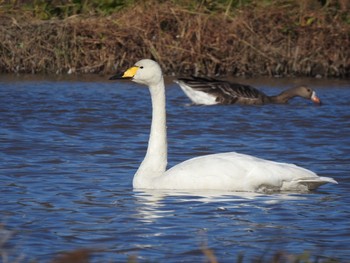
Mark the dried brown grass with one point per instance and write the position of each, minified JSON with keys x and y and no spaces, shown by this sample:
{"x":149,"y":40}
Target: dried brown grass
{"x":262,"y":40}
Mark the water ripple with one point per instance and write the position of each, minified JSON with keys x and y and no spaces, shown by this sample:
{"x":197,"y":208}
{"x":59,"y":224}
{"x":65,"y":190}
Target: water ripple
{"x":69,"y":151}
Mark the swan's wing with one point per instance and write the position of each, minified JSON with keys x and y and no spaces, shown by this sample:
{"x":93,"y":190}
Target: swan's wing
{"x":224,"y":92}
{"x":240,"y":172}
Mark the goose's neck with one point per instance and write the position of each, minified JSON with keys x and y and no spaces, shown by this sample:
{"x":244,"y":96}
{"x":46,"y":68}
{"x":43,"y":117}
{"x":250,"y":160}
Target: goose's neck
{"x":155,"y":161}
{"x":284,"y":96}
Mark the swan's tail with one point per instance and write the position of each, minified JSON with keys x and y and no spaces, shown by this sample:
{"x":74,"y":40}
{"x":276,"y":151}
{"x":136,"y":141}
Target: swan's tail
{"x":313,"y":183}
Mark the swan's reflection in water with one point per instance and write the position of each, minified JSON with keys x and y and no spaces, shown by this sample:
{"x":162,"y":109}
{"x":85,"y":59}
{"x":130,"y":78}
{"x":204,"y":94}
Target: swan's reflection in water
{"x":228,"y":222}
{"x":156,"y":204}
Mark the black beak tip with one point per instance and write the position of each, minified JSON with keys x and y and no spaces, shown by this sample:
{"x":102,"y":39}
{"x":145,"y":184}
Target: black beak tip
{"x":117,"y":76}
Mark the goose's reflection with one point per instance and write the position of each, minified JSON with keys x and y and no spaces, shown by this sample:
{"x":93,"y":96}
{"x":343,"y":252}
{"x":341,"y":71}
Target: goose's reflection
{"x":155,"y":204}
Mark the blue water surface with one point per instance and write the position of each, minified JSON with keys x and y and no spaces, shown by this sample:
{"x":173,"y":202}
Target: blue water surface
{"x":69,"y":150}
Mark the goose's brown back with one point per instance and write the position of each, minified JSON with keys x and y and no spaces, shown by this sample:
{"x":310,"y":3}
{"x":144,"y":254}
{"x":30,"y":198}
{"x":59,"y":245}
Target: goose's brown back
{"x":226,"y":92}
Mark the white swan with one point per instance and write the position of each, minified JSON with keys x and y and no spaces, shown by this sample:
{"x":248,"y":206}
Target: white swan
{"x":223,"y":171}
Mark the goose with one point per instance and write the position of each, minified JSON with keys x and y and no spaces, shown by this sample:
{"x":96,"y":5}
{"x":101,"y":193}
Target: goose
{"x":221,"y":171}
{"x":211,"y":91}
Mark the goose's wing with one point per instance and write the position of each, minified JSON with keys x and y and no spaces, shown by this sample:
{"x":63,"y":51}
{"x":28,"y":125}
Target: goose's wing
{"x":224,"y":92}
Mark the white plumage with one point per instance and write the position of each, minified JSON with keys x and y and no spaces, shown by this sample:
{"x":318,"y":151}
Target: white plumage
{"x":223,"y":171}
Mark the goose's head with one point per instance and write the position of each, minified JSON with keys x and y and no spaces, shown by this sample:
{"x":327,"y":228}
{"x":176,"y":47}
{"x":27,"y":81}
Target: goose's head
{"x":307,"y":93}
{"x":145,"y":71}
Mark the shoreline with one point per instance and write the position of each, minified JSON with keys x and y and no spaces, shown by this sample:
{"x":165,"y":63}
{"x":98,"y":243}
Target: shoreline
{"x":256,"y":81}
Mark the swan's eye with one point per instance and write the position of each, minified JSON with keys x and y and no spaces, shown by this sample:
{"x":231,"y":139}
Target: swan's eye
{"x":141,"y":66}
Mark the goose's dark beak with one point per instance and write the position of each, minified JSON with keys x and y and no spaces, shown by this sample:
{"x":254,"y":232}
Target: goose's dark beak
{"x":128,"y":74}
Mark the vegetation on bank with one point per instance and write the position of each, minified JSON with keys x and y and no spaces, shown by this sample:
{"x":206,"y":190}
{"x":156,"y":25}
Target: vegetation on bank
{"x":236,"y":37}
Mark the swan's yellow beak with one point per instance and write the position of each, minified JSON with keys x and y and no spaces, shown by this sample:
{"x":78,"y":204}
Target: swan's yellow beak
{"x":129,"y":73}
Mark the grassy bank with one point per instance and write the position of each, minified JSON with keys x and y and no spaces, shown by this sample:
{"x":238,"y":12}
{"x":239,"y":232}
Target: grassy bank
{"x":273,"y":38}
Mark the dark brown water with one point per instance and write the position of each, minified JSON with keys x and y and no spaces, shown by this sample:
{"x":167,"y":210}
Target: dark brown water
{"x":69,"y":149}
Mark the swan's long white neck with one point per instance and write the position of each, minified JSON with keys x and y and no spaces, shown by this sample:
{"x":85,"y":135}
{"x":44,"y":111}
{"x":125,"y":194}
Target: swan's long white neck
{"x":155,"y":161}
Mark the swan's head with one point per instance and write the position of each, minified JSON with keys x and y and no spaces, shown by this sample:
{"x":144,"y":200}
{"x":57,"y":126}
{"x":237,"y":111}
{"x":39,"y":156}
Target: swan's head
{"x":145,"y":71}
{"x":307,"y":93}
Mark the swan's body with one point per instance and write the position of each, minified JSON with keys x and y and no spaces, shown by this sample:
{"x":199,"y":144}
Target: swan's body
{"x":222,"y":171}
{"x":210,"y":91}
